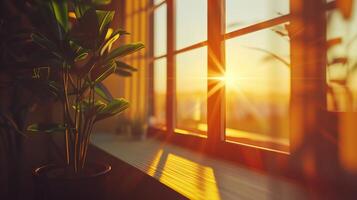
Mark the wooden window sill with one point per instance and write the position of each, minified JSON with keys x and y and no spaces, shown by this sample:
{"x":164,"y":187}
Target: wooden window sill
{"x":195,"y":175}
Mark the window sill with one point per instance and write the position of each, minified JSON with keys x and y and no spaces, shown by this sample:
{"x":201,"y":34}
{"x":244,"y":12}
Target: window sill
{"x":193,"y":174}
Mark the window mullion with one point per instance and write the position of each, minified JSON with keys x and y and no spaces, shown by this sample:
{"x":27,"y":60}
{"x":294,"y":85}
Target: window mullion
{"x":170,"y":98}
{"x":215,"y":104}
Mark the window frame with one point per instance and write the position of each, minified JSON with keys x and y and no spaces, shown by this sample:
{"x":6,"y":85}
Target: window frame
{"x":260,"y":158}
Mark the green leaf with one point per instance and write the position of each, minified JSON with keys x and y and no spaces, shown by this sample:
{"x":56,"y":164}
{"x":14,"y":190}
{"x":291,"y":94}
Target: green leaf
{"x":98,"y":74}
{"x":85,"y":30}
{"x":80,"y":8}
{"x":60,"y":10}
{"x":104,"y":19}
{"x":103,"y":92}
{"x":124,"y":69}
{"x":124,"y":66}
{"x":81,"y":56}
{"x":56,"y":89}
{"x":89,"y":109}
{"x":101,"y":73}
{"x":122,"y":72}
{"x":118,"y":31}
{"x":108,"y":45}
{"x":44,"y":42}
{"x":116,"y":106}
{"x":124,"y":50}
{"x":9,"y":121}
{"x":46,"y":128}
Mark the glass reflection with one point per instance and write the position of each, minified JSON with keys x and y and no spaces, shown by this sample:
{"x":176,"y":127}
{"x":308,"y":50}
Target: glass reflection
{"x":257,"y":83}
{"x":156,"y":2}
{"x":191,"y":91}
{"x":191,"y":22}
{"x":160,"y":37}
{"x":159,"y":118}
{"x":239,"y":12}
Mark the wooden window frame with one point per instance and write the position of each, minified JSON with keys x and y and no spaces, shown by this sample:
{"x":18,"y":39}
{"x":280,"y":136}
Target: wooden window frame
{"x":271,"y":161}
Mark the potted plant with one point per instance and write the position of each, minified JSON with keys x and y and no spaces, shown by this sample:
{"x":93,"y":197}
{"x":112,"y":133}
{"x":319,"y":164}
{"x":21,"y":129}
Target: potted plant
{"x":19,"y":91}
{"x":80,"y":42}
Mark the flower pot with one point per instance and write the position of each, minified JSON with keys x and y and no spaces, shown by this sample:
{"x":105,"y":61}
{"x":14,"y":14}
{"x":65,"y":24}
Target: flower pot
{"x":53,"y":183}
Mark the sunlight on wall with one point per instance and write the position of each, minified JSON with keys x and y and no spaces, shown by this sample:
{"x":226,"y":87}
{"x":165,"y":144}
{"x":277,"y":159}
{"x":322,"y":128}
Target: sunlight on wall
{"x":135,"y":87}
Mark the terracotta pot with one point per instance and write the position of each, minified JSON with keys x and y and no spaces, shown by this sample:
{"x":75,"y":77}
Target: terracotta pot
{"x":51,"y":183}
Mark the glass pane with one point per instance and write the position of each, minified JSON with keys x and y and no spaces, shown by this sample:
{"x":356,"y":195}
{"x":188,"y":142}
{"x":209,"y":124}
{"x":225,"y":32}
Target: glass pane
{"x":257,"y":83}
{"x":159,"y":111}
{"x":239,"y":12}
{"x":160,"y":38}
{"x":156,"y":2}
{"x":191,"y":91}
{"x":341,"y":70}
{"x":191,"y":22}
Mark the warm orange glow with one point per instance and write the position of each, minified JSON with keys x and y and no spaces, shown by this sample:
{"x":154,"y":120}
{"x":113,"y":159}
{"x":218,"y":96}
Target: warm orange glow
{"x":347,"y":141}
{"x":193,"y":180}
{"x":72,"y":15}
{"x":154,"y":163}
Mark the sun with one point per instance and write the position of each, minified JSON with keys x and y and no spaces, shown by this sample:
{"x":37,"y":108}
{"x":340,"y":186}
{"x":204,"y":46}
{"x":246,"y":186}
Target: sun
{"x":230,"y":80}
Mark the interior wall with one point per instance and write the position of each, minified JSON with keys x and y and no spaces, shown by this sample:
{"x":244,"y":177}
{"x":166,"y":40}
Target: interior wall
{"x":135,"y":88}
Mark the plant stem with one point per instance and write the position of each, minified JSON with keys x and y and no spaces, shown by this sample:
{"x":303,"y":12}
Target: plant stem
{"x":89,"y":129}
{"x":64,"y":120}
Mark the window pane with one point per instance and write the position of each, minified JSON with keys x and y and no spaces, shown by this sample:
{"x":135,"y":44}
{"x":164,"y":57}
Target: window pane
{"x":257,"y":83}
{"x":242,"y":13}
{"x":191,"y":91}
{"x":191,"y":22}
{"x":341,"y":70}
{"x":159,"y":111}
{"x":160,"y":38}
{"x":156,"y":2}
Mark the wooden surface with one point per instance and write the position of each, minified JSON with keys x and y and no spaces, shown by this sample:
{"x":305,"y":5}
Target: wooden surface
{"x":125,"y":181}
{"x":194,"y":175}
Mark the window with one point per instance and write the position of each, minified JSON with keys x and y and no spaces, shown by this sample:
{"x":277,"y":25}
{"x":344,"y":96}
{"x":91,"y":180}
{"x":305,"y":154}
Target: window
{"x":239,"y":12}
{"x":159,"y":65}
{"x":160,"y":31}
{"x":191,"y":22}
{"x":159,"y":111}
{"x":191,"y":91}
{"x":258,"y":89}
{"x":255,"y":72}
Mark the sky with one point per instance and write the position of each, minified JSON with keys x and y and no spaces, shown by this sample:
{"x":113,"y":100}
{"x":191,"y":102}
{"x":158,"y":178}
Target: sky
{"x":246,"y":68}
